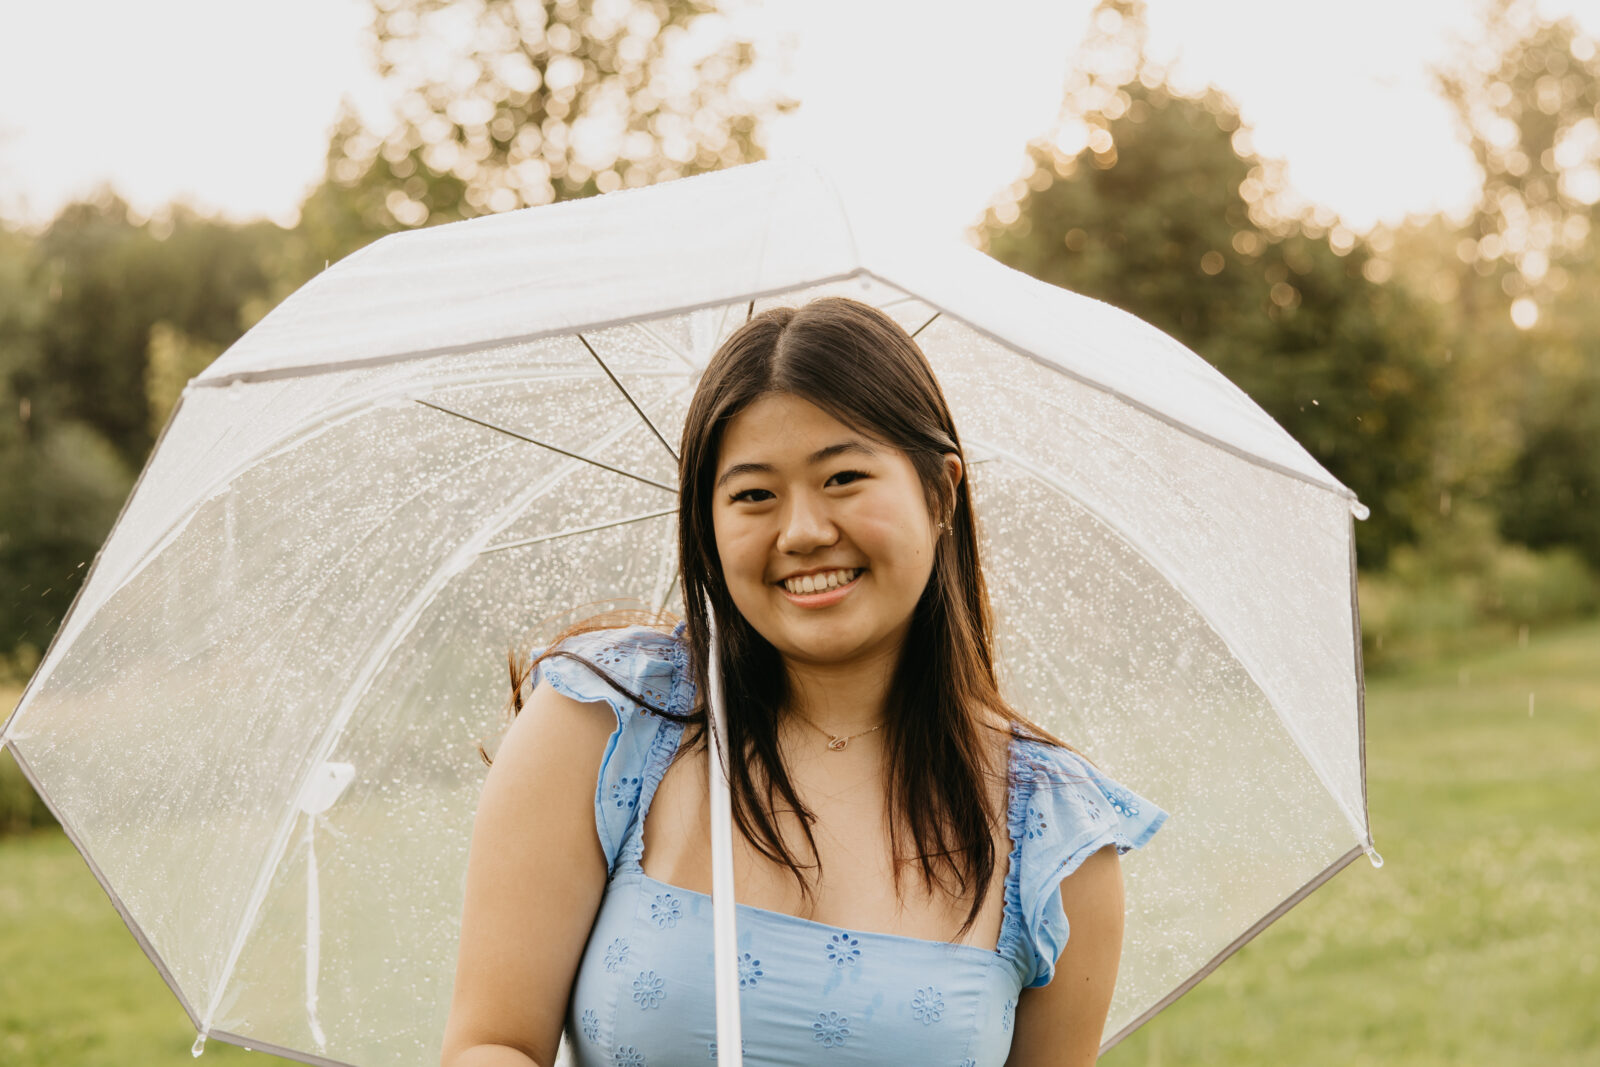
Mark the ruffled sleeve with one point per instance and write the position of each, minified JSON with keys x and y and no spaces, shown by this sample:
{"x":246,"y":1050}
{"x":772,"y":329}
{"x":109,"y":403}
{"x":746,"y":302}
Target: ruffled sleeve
{"x":645,"y":662}
{"x":1063,"y":810}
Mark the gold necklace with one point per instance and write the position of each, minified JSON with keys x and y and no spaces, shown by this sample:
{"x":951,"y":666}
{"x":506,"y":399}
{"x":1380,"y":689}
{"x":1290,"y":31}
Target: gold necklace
{"x":835,"y":743}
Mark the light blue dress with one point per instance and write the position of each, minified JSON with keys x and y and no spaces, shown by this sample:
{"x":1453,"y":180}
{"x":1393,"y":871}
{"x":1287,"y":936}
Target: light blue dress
{"x":809,"y":993}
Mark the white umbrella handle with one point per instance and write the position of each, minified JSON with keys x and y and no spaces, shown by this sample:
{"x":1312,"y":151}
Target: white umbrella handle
{"x":724,"y":940}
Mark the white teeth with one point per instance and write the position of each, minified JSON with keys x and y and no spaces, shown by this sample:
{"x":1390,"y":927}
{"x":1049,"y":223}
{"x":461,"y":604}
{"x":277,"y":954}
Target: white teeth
{"x":817,"y":583}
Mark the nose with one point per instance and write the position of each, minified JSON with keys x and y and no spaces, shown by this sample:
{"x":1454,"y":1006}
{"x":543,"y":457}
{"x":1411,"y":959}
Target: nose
{"x":805,"y":526}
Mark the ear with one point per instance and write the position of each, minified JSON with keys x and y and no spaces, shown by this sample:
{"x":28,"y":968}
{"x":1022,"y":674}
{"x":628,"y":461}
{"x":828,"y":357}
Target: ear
{"x":954,"y":471}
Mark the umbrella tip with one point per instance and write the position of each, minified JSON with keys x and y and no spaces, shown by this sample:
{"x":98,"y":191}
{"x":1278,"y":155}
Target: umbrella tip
{"x":199,"y":1045}
{"x":1358,"y":509}
{"x":1372,"y":855}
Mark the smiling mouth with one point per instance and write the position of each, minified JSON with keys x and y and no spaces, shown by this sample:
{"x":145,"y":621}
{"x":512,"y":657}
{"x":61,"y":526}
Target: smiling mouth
{"x":825,"y":582}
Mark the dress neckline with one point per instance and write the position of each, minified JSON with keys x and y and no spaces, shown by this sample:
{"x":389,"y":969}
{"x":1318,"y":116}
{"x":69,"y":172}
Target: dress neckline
{"x":1011,"y":910}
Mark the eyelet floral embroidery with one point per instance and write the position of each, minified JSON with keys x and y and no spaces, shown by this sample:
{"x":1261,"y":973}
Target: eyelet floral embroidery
{"x":625,"y":792}
{"x":627,"y":1056}
{"x":831,"y":1028}
{"x":648,"y":990}
{"x":591,"y":1025}
{"x":1035,"y":825}
{"x":665,"y":911}
{"x":927,"y":1005}
{"x":616,"y":954}
{"x":712,"y":1048}
{"x":750,"y":971}
{"x":1007,"y":1016}
{"x":611,"y":656}
{"x":1122,"y":801}
{"x":844,"y":950}
{"x":969,"y":1063}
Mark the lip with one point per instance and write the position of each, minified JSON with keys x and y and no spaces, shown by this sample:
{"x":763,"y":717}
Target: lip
{"x":824,"y":599}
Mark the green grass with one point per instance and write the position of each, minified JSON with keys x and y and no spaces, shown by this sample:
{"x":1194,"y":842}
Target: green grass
{"x":1478,"y":942}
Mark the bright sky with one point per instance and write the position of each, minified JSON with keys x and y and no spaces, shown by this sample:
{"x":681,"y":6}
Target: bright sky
{"x":228,"y":105}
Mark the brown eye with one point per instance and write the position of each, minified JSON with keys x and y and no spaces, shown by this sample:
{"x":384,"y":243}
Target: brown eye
{"x":744,"y":495}
{"x":851,"y":475}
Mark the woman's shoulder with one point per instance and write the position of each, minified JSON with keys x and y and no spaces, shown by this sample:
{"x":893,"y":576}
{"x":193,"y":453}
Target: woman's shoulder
{"x":648,"y":663}
{"x":1064,"y":809}
{"x":1085,"y":800}
{"x":614,"y":645}
{"x":640,"y":672}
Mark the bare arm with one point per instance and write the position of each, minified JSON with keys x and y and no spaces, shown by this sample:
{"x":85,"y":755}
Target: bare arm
{"x":1060,"y":1024}
{"x":535,"y":877}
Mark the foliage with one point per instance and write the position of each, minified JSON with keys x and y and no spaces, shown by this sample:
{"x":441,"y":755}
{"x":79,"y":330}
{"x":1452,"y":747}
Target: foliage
{"x":1154,"y":202}
{"x":1551,"y":495}
{"x":527,"y":103}
{"x":1527,"y":95}
{"x":1526,"y":390}
{"x":21,"y":810}
{"x":1460,"y":588}
{"x":108,"y":280}
{"x":103,"y":317}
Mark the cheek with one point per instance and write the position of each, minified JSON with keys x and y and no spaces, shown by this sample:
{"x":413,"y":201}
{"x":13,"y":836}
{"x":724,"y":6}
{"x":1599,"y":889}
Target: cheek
{"x":895,"y":540}
{"x":739,"y":548}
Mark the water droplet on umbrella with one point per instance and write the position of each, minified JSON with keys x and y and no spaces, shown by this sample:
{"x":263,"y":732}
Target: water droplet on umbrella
{"x":199,"y":1046}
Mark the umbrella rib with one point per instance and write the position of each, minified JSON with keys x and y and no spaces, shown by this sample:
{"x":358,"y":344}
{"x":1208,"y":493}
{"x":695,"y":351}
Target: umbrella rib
{"x":925,"y":325}
{"x":614,"y":381}
{"x":546,"y":444}
{"x":578,"y":530}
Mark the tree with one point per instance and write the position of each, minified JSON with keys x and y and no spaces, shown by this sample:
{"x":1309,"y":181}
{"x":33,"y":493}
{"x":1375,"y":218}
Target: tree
{"x":109,"y":279}
{"x":513,"y":103}
{"x":1526,"y":93}
{"x":61,"y":482}
{"x":1155,"y":202}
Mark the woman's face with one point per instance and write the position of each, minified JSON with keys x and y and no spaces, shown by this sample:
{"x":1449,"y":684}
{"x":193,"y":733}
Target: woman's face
{"x":804,"y":501}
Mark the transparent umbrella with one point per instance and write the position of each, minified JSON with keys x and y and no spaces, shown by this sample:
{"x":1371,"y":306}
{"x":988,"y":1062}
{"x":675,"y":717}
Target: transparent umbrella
{"x":257,"y":722}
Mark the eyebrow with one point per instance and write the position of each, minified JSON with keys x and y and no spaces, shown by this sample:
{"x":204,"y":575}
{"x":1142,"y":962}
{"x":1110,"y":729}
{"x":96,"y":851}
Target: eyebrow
{"x":844,"y":447}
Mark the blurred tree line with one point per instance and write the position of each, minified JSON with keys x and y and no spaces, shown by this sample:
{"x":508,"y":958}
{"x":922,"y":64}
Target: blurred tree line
{"x":1449,"y":373}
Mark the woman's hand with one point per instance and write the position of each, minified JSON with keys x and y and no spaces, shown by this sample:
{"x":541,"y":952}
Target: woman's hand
{"x":1060,"y":1024}
{"x":535,"y":878}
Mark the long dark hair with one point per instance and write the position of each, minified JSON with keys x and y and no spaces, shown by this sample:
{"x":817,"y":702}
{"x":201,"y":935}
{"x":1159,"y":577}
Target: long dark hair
{"x":943,"y":688}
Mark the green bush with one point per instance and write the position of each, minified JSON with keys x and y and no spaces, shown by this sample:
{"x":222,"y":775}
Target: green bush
{"x":21,"y":809}
{"x":1462,"y":589}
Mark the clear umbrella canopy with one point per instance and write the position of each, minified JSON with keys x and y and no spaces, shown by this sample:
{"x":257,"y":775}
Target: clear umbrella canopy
{"x":257,"y":723}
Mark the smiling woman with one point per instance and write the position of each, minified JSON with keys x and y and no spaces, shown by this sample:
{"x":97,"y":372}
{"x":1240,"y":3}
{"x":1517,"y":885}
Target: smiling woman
{"x":811,"y":516}
{"x":911,"y":851}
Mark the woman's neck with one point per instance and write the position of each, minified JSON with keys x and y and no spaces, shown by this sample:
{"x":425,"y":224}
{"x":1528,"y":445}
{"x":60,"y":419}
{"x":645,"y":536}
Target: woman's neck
{"x":842,"y":698}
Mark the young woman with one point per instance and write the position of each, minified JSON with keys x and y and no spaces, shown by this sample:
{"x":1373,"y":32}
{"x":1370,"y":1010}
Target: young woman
{"x":911,"y":852}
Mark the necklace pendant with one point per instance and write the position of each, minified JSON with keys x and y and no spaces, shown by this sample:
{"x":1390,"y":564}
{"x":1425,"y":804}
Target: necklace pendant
{"x":837,"y":743}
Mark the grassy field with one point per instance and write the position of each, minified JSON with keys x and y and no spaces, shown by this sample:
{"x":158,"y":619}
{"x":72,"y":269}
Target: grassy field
{"x":1477,"y":943}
